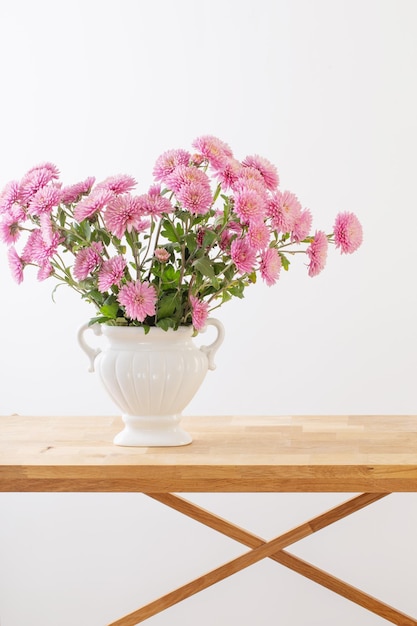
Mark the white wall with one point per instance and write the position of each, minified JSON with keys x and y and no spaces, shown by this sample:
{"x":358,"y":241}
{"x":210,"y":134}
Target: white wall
{"x":326,"y":89}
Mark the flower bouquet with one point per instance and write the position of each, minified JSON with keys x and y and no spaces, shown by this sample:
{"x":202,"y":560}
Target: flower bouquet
{"x":204,"y":231}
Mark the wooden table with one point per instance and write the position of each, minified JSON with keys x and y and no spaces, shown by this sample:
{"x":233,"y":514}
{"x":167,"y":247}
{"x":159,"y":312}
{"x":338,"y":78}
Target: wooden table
{"x":370,"y":455}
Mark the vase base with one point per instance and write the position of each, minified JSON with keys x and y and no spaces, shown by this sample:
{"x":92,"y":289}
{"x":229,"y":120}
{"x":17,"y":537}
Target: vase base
{"x":152,"y":431}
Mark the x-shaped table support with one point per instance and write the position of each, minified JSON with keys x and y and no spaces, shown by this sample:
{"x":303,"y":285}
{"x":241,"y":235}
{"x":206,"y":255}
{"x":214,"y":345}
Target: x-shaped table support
{"x":261,"y":549}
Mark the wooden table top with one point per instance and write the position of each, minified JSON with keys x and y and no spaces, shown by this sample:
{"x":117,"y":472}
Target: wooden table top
{"x":229,"y":454}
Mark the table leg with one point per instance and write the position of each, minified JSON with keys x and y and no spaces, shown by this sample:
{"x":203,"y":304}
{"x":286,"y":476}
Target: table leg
{"x":260,"y":549}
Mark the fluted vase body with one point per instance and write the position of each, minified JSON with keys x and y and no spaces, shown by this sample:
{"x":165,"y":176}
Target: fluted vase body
{"x":151,"y":378}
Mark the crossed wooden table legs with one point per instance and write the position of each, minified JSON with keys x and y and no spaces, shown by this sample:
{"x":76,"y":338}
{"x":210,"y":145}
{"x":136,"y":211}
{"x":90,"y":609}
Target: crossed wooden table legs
{"x":261,"y":549}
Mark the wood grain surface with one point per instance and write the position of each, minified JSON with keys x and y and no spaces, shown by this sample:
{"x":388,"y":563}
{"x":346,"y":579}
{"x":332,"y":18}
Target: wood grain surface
{"x":340,"y":453}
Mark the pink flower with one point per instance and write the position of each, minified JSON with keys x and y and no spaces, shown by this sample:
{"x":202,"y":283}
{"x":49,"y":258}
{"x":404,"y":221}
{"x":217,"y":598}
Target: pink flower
{"x":234,"y":229}
{"x":250,"y":178}
{"x":153,"y":203}
{"x":184,"y":175}
{"x":302,"y":226}
{"x":16,"y":265}
{"x":124,"y":213}
{"x":121,"y":183}
{"x":9,"y":196}
{"x":138,"y":299}
{"x":266,"y":168}
{"x":270,"y":266}
{"x":44,"y":200}
{"x":243,"y":256}
{"x":162,"y":255}
{"x":249,"y":206}
{"x":168,"y":162}
{"x":317,"y":252}
{"x":72,"y":193}
{"x":50,"y":168}
{"x":348,"y":233}
{"x":199,"y":312}
{"x":10,"y":226}
{"x":87,"y":260}
{"x":111,"y":273}
{"x":47,"y":228}
{"x":92,"y":204}
{"x":284,"y":210}
{"x":214,"y":150}
{"x":229,"y":173}
{"x":45,"y":270}
{"x":36,"y":178}
{"x":37,"y":250}
{"x":196,"y":197}
{"x":258,"y":235}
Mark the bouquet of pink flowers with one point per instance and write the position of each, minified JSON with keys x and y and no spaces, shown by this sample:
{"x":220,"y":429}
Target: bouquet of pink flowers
{"x":201,"y":234}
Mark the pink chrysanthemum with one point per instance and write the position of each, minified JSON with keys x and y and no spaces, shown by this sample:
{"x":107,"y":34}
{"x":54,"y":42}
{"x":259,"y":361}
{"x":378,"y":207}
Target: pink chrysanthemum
{"x":249,"y":205}
{"x":199,"y":312}
{"x":270,"y":266}
{"x":16,"y":265}
{"x":302,"y":226}
{"x":111,"y":273}
{"x":234,"y":229}
{"x":229,"y":174}
{"x":10,"y":225}
{"x":267,"y":170}
{"x":37,"y":250}
{"x":250,"y":177}
{"x":243,"y":256}
{"x":195,"y":197}
{"x":284,"y":210}
{"x":47,"y":228}
{"x":123,"y":214}
{"x":153,"y":203}
{"x":258,"y":235}
{"x":45,"y":271}
{"x":162,"y":255}
{"x":9,"y":196}
{"x":44,"y":200}
{"x":317,"y":253}
{"x":87,"y":260}
{"x":139,"y":299}
{"x":184,"y":175}
{"x":73,"y":193}
{"x":46,"y":167}
{"x":168,"y":162}
{"x":216,"y":151}
{"x":348,"y":233}
{"x":121,"y":183}
{"x":92,"y":204}
{"x":35,"y":179}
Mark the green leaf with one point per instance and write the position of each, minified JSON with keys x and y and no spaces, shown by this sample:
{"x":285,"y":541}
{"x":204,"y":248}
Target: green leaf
{"x":284,"y":261}
{"x":170,"y":276}
{"x":169,"y":232}
{"x":110,"y":310}
{"x":98,"y":320}
{"x":87,"y":230}
{"x":166,"y":323}
{"x":209,"y":238}
{"x":168,"y":304}
{"x":237,"y":290}
{"x":204,"y":266}
{"x":191,"y":241}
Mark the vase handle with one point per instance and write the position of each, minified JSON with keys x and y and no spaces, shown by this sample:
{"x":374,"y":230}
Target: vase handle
{"x":212,"y":348}
{"x":92,"y":353}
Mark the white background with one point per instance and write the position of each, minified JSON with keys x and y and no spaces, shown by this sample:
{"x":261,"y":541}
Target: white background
{"x":326,"y":89}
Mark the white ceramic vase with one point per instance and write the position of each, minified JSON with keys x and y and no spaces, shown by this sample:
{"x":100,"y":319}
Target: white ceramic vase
{"x":151,"y":377}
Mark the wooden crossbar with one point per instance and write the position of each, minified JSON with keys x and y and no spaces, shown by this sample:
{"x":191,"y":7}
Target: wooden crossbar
{"x":261,"y":549}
